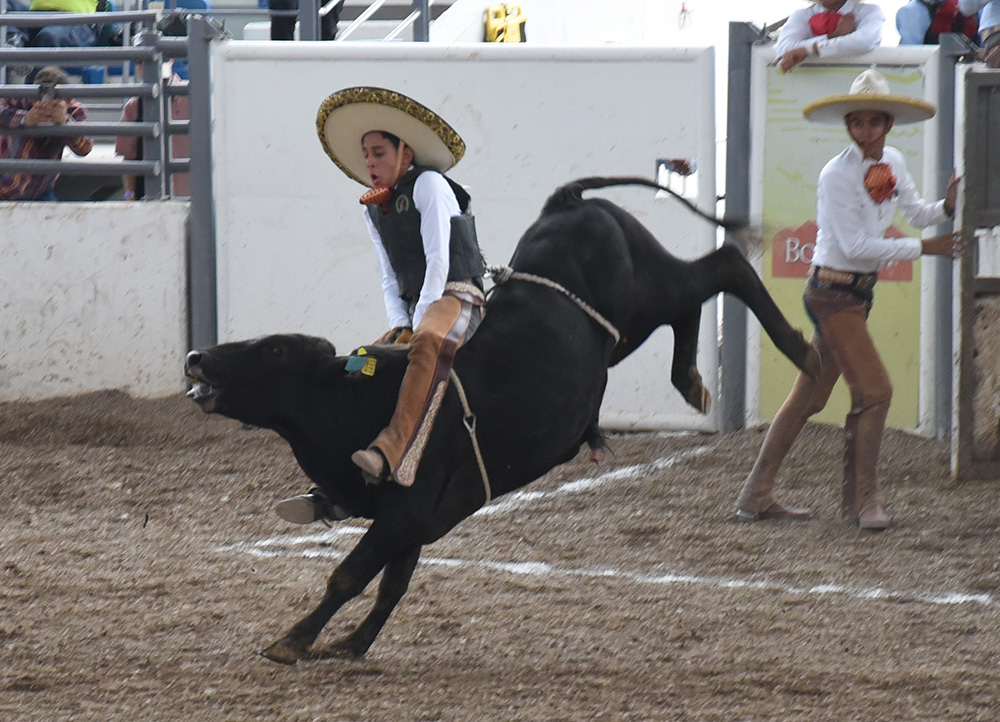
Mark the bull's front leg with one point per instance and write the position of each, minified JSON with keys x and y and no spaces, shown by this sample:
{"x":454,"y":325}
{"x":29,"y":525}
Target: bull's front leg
{"x":683,"y":372}
{"x":348,"y":580}
{"x":395,"y":581}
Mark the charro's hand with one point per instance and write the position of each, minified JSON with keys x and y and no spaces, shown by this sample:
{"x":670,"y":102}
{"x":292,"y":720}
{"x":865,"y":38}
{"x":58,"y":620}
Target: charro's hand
{"x":399,"y":334}
{"x":792,"y":58}
{"x":845,"y":26}
{"x":951,"y":195}
{"x":949,"y":244}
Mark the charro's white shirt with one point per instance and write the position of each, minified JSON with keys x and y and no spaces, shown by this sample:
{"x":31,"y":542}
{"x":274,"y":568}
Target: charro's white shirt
{"x":796,"y":33}
{"x":852,"y":226}
{"x":436,"y":202}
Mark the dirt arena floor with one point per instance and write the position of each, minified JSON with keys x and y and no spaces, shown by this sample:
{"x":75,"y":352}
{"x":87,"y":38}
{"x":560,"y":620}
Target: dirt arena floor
{"x":142,"y":570}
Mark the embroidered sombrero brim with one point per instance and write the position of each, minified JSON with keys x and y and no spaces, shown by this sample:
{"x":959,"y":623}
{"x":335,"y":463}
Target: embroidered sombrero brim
{"x":833,"y":108}
{"x":348,"y":114}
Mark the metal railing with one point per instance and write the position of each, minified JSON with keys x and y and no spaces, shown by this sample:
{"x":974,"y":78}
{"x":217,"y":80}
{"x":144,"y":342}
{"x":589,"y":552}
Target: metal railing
{"x":149,"y":54}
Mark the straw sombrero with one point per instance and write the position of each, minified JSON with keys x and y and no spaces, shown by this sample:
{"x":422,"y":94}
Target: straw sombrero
{"x":348,"y":114}
{"x":869,"y":91}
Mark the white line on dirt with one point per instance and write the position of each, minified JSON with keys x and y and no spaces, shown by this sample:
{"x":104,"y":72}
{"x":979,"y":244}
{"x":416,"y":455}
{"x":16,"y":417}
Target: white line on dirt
{"x":274,"y":548}
{"x":313,"y":546}
{"x":518,"y":499}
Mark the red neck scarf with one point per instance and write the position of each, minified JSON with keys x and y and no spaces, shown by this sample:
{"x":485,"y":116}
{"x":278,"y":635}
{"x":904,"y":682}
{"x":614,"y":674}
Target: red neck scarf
{"x":824,"y":23}
{"x":880,"y":182}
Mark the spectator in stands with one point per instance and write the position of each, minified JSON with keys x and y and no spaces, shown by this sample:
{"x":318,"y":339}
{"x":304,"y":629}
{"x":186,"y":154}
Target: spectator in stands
{"x":829,"y":27}
{"x":989,"y":27}
{"x":81,"y":35}
{"x":22,"y":113}
{"x":130,"y":147}
{"x":283,"y":26}
{"x":921,"y":22}
{"x":989,"y":31}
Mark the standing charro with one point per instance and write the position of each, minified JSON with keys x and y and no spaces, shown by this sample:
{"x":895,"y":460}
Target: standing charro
{"x":429,"y":262}
{"x":858,"y":194}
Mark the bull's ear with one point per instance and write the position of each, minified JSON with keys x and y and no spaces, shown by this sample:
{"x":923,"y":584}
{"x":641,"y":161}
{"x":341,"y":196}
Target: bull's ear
{"x":326,"y":346}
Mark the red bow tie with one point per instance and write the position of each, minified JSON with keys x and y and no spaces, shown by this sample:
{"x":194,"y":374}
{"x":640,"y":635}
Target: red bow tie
{"x":824,"y":23}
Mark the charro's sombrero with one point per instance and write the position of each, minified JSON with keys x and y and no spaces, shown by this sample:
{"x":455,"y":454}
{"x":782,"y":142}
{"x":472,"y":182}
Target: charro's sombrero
{"x":869,"y":91}
{"x":348,"y":114}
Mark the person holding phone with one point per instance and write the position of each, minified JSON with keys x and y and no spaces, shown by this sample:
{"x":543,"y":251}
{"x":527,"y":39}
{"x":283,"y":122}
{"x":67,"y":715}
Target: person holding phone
{"x":48,"y":108}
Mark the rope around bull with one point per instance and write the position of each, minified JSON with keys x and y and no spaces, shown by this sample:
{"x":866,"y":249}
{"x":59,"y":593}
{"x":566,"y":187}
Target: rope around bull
{"x":500,"y":275}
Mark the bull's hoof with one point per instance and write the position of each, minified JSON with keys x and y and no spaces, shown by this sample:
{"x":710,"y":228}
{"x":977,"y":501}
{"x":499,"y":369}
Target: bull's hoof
{"x":343,"y":649}
{"x":283,"y":652}
{"x":697,"y":394}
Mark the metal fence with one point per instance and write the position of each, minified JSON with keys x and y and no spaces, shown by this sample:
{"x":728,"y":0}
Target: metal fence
{"x":143,"y":55}
{"x":144,"y":59}
{"x":976,"y":443}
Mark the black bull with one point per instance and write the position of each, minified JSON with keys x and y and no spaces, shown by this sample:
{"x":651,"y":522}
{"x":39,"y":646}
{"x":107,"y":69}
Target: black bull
{"x":534,"y":374}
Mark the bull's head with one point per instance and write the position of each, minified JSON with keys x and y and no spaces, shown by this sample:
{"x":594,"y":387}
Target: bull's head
{"x":244,"y":379}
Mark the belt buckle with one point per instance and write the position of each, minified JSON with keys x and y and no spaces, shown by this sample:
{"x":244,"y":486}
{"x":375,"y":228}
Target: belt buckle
{"x":821,"y":276}
{"x":839,"y":278}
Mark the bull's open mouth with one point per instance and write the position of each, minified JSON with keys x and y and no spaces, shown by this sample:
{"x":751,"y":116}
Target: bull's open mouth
{"x":203,"y":392}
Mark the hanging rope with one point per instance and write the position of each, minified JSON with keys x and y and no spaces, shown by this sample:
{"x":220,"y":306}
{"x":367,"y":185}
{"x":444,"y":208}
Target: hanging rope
{"x":500,"y":275}
{"x":470,"y":424}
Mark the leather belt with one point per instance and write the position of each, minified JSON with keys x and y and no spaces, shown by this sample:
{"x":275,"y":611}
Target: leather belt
{"x":856,"y":281}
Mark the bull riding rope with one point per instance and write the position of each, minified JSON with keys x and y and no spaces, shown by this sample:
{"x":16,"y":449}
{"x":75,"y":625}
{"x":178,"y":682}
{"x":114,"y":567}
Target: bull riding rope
{"x":502,"y":274}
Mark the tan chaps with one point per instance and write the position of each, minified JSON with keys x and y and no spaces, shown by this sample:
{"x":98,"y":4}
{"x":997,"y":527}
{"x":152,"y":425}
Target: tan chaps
{"x":846,"y":348}
{"x":441,"y":332}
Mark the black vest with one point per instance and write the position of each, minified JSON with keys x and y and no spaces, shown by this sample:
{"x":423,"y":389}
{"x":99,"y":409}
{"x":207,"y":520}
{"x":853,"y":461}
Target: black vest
{"x":399,"y":229}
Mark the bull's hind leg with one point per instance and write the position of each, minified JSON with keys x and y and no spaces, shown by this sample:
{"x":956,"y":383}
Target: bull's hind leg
{"x":683,"y":372}
{"x":348,"y":580}
{"x":730,"y":272}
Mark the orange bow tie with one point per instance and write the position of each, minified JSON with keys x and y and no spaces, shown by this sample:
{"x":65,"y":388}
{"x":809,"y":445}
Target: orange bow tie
{"x":377,"y":196}
{"x":880,"y":182}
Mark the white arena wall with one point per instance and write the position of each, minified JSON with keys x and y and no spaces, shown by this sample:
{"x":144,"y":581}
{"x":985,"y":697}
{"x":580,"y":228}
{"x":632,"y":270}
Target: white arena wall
{"x":92,"y":298}
{"x":293,"y":251}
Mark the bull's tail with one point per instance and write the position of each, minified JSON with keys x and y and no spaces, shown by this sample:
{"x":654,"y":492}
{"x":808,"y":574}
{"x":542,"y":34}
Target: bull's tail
{"x":572,"y":193}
